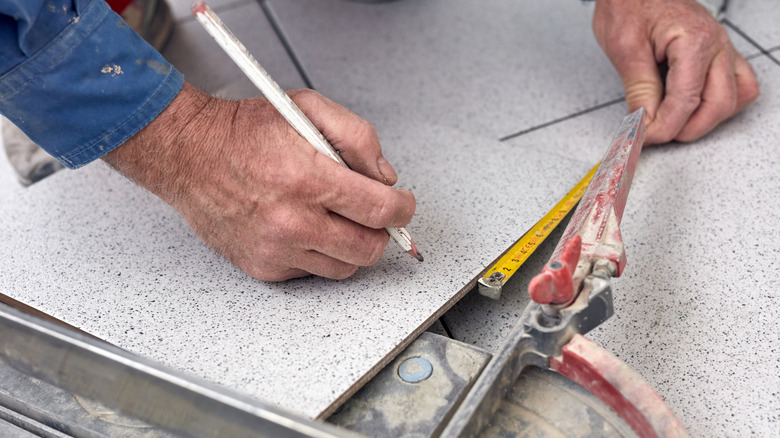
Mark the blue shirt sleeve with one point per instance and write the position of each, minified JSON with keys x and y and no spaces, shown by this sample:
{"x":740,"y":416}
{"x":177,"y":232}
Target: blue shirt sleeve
{"x":76,"y":79}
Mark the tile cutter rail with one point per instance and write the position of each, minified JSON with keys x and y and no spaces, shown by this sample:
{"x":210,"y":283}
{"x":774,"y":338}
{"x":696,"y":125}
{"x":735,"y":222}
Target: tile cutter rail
{"x":436,"y":387}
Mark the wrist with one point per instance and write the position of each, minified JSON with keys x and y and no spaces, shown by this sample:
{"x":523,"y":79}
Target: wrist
{"x":159,"y":156}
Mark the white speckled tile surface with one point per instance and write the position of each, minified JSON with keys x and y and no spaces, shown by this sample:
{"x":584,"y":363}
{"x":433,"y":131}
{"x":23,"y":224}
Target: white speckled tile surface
{"x":758,"y":19}
{"x":696,"y":309}
{"x":491,"y":68}
{"x":107,"y":257}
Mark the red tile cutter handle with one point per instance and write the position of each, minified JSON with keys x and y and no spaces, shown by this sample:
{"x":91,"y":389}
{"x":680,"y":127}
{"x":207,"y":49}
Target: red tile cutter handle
{"x":592,"y":243}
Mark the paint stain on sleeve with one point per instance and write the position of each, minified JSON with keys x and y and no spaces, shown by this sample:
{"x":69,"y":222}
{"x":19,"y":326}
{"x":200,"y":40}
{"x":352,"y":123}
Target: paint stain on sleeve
{"x":112,"y":70}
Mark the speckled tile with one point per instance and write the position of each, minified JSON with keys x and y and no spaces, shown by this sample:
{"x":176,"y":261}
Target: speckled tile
{"x":101,"y":254}
{"x":695,"y":310}
{"x":758,"y":19}
{"x":207,"y":67}
{"x":492,"y":68}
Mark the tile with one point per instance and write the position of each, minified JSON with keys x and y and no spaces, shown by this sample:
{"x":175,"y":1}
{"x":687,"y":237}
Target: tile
{"x":206,"y":66}
{"x":488,"y":68}
{"x":105,"y":256}
{"x":695,"y":307}
{"x":743,"y":46}
{"x":758,"y":19}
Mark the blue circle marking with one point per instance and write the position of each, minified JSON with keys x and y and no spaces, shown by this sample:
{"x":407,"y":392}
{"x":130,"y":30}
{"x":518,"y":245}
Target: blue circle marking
{"x":415,"y":370}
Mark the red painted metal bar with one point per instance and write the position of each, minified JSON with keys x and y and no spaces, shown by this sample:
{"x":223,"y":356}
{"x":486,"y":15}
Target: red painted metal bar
{"x":617,"y":385}
{"x":593,"y":237}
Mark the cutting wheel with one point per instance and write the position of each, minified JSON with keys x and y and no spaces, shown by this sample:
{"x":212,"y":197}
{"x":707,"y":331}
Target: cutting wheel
{"x":543,"y":403}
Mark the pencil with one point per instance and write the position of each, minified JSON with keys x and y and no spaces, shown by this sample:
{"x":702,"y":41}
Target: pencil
{"x":281,"y":101}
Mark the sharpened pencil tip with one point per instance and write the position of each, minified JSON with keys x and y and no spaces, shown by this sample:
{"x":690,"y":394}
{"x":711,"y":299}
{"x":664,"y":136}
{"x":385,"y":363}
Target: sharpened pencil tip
{"x":414,"y":253}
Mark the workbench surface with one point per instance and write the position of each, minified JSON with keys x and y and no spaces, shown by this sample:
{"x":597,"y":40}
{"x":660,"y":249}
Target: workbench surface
{"x":443,"y":81}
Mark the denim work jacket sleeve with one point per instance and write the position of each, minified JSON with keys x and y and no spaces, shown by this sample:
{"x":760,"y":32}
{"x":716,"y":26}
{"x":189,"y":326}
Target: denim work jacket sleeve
{"x":76,"y":79}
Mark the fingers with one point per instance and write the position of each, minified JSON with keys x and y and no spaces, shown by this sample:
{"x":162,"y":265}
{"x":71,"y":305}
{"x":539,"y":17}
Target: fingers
{"x":689,"y":69}
{"x":321,"y":265}
{"x":346,"y":243}
{"x":707,"y":81}
{"x":638,"y":69}
{"x":728,"y":87}
{"x":747,"y":84}
{"x":718,"y":100}
{"x":354,"y":138}
{"x":366,"y":202}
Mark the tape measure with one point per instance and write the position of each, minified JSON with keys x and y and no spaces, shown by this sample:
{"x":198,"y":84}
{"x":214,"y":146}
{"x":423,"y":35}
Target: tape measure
{"x":494,"y":278}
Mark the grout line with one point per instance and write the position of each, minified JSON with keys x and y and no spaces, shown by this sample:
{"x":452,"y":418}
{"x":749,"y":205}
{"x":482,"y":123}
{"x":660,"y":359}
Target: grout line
{"x":750,"y":40}
{"x":275,"y":24}
{"x":446,"y":327}
{"x":563,"y":119}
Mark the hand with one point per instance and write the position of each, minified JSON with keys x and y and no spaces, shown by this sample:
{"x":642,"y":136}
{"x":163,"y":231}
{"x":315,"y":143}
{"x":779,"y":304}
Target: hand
{"x":259,"y":194}
{"x":707,"y":80}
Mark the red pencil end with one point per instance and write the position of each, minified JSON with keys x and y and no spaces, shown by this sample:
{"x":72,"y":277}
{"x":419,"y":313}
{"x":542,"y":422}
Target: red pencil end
{"x":199,"y":7}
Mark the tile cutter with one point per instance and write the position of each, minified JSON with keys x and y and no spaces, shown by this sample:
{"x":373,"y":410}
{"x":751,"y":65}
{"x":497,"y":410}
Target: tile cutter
{"x":572,"y":295}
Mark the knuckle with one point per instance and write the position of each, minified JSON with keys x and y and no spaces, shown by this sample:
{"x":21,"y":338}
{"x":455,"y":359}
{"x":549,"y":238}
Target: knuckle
{"x":343,"y":271}
{"x":377,"y":248}
{"x":657,"y":135}
{"x":307,"y":98}
{"x":381,"y":215}
{"x":283,"y":226}
{"x":623,"y":45}
{"x":689,"y":100}
{"x":365,"y":133}
{"x":751,"y":90}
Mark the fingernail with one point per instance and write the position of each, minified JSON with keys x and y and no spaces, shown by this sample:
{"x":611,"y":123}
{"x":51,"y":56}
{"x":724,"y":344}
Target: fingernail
{"x":387,"y":170}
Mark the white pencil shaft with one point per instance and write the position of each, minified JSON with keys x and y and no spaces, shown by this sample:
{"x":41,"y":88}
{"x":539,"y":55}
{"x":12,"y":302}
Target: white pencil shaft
{"x":270,"y":89}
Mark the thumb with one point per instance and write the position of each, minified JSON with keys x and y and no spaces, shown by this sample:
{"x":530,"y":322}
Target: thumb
{"x":642,"y":82}
{"x":353,"y":137}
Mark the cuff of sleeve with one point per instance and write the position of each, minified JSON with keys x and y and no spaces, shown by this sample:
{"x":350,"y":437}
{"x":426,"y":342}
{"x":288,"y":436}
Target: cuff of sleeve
{"x":90,"y":89}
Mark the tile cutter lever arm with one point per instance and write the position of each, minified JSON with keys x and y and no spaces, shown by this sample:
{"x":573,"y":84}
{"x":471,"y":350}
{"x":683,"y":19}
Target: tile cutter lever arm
{"x":572,"y":296}
{"x":592,"y":242}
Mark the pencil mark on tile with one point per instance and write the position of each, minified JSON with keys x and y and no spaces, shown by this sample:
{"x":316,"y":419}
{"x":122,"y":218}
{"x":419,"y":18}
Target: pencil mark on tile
{"x":277,"y":27}
{"x":563,"y":119}
{"x":755,"y":44}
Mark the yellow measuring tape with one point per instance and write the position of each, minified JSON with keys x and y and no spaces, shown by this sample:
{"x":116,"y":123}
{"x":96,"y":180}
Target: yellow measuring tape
{"x":494,"y":278}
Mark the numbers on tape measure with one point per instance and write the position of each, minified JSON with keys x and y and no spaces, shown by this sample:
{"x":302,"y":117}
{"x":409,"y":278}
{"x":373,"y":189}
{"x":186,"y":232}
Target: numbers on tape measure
{"x":526,"y":245}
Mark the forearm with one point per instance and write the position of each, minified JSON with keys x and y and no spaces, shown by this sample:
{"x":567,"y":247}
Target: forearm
{"x":160,"y":156}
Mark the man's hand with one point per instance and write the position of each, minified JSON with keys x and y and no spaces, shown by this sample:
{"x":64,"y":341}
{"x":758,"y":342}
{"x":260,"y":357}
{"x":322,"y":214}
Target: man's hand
{"x":260,"y":195}
{"x":707,"y":80}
